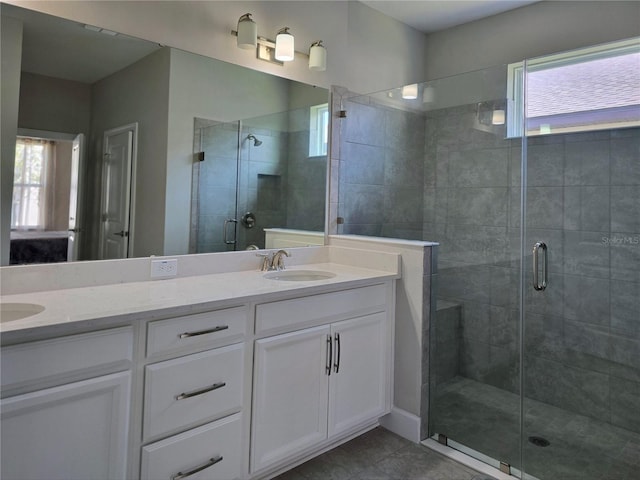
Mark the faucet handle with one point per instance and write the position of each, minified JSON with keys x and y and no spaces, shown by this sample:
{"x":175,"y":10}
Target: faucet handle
{"x":267,"y":261}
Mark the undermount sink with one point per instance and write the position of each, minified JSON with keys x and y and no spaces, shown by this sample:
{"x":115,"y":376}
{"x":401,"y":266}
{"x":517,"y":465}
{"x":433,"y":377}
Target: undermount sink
{"x":299,"y":275}
{"x":16,"y":311}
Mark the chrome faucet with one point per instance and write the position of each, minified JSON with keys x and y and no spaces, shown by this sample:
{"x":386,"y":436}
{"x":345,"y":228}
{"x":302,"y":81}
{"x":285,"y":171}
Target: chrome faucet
{"x":277,"y":262}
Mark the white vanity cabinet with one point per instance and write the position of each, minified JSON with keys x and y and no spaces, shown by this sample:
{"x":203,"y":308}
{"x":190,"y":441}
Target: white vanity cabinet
{"x":75,"y":429}
{"x":314,"y":384}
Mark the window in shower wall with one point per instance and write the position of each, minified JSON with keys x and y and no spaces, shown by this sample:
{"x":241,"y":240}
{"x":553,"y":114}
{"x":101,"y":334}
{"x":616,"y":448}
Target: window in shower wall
{"x":589,"y":89}
{"x":318,"y":130}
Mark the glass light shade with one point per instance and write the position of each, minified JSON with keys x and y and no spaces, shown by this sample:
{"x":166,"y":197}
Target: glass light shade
{"x":428,"y":94}
{"x":498,"y":117}
{"x":284,"y":46}
{"x":247,"y":32}
{"x":317,"y":57}
{"x":410,"y":92}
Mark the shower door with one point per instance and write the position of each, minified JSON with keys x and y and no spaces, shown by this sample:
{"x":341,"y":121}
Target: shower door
{"x":216,"y":182}
{"x":581,"y":351}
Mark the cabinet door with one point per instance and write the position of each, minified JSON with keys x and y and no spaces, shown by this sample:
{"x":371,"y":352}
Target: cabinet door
{"x":290,"y":394}
{"x":75,"y":431}
{"x":358,"y":390}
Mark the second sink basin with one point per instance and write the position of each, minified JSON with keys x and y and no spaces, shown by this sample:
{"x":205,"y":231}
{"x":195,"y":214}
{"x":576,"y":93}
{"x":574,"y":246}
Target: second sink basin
{"x":299,"y":275}
{"x":15,"y":311}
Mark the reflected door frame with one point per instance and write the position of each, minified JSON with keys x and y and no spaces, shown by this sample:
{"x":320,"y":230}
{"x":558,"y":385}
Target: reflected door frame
{"x":118,"y":192}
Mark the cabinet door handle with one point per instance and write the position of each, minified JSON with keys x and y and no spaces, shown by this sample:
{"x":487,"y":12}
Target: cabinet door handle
{"x":329,"y":355}
{"x":203,"y":332}
{"x":212,"y":461}
{"x":336,"y":364}
{"x":215,"y":386}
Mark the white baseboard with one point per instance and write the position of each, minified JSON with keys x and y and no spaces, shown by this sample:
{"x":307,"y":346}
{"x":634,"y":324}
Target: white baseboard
{"x":402,"y":423}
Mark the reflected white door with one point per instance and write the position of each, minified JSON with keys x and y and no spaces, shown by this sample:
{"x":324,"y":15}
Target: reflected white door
{"x":75,"y":230}
{"x":118,"y":154}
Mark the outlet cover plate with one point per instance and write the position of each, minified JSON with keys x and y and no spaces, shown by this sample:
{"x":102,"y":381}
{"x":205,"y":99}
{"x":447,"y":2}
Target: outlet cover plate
{"x":164,"y":268}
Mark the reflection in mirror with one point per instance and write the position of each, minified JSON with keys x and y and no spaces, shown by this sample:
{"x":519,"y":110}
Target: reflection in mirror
{"x":134,"y":102}
{"x":270,"y":169}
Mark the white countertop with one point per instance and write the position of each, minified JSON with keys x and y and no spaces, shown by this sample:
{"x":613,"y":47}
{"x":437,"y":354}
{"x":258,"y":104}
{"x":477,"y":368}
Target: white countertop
{"x":64,"y":307}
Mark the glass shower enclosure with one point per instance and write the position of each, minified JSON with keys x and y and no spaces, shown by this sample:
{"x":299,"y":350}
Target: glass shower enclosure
{"x":254,"y":174}
{"x":532,"y":189}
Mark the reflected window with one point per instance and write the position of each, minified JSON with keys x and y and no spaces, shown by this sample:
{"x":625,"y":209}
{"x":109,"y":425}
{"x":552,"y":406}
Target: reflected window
{"x":588,"y":89}
{"x":33,"y":163}
{"x":318,"y":130}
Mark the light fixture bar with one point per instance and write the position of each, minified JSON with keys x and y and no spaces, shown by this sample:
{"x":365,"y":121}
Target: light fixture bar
{"x":266,"y":42}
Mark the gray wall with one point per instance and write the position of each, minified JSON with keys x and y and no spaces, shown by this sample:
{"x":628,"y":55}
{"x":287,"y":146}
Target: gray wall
{"x":11,"y":53}
{"x":139,"y":93}
{"x":54,"y":104}
{"x":538,"y":29}
{"x":367,"y":50}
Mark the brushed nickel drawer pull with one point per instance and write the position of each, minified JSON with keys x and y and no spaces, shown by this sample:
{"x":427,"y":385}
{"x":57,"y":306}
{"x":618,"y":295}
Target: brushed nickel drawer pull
{"x":203,"y":332}
{"x":212,"y":461}
{"x":215,"y":386}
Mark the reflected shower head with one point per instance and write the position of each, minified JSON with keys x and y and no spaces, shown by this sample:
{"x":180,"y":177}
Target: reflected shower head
{"x":256,"y":142}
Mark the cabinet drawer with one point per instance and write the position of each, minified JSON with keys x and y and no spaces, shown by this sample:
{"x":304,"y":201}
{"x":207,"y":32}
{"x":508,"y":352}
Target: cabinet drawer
{"x":329,"y":306}
{"x":57,"y":360}
{"x":220,"y":327}
{"x":215,"y":446}
{"x":192,"y":389}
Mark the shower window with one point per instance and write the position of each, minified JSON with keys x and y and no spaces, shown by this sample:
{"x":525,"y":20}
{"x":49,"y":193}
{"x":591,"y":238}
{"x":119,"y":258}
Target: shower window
{"x":591,"y":89}
{"x":319,"y":130}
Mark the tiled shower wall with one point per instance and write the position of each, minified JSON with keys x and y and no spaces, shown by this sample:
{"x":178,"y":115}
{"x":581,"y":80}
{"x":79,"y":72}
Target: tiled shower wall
{"x":381,"y":171}
{"x":307,"y":177}
{"x":442,"y":177}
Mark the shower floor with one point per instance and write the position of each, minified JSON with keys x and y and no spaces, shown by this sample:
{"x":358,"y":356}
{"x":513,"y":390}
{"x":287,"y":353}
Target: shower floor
{"x":486,"y":419}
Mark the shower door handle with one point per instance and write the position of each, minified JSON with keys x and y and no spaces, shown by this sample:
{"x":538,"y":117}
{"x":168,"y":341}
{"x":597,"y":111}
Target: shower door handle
{"x":536,"y":264}
{"x":224,"y":231}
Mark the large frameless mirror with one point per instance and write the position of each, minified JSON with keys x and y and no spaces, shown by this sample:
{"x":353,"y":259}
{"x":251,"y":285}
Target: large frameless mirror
{"x":111,"y":134}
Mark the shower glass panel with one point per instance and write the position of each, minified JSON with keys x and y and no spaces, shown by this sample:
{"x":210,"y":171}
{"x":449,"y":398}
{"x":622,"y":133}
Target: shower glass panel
{"x":472,"y":208}
{"x":440,"y":168}
{"x":582,"y":332}
{"x":215,"y":186}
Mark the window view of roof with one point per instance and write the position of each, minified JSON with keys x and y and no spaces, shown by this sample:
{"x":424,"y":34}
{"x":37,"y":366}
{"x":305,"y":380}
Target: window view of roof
{"x":584,"y":93}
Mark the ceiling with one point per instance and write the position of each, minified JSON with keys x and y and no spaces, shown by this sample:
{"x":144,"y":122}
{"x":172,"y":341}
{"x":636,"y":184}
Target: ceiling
{"x":430,"y":16}
{"x":60,"y":48}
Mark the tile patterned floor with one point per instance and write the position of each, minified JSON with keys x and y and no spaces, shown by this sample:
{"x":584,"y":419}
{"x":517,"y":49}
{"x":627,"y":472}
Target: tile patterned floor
{"x":381,"y":455}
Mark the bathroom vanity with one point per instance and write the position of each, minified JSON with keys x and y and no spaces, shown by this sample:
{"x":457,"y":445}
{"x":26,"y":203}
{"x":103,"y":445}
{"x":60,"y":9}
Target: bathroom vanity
{"x":222,"y":376}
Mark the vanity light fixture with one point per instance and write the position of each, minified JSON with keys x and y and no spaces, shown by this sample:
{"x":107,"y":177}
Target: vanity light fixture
{"x":317,"y":57}
{"x":497,"y":118}
{"x":279,"y":51}
{"x":428,"y":94}
{"x":490,"y":114}
{"x":410,"y":92}
{"x":247,"y":32}
{"x":285,"y":51}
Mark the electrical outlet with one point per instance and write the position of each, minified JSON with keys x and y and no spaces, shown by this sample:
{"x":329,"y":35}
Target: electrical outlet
{"x":164,"y":268}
